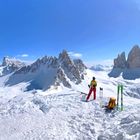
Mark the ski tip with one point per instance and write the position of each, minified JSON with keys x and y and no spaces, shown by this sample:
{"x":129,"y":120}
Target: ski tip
{"x":83,"y":93}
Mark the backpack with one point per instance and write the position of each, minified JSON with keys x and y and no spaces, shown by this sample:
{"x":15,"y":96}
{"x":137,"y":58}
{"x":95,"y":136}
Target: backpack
{"x":112,"y":103}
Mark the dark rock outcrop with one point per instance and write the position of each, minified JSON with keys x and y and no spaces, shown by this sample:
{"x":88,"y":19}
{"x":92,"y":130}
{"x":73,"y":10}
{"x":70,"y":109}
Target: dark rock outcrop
{"x":130,"y":68}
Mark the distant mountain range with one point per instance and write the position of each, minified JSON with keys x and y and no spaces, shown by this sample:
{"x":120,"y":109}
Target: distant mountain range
{"x":100,"y":67}
{"x":48,"y":71}
{"x":44,"y":72}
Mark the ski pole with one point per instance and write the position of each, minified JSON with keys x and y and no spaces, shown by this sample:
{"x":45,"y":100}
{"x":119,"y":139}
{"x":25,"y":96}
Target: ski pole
{"x":101,"y":96}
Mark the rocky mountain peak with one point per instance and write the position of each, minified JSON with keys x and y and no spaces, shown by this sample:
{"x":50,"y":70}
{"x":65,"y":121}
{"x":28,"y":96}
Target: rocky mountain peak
{"x":120,"y":61}
{"x":129,"y":69}
{"x":134,"y":57}
{"x":63,"y":55}
{"x":12,"y":62}
{"x":79,"y":65}
{"x":11,"y":65}
{"x":71,"y":68}
{"x":65,"y":58}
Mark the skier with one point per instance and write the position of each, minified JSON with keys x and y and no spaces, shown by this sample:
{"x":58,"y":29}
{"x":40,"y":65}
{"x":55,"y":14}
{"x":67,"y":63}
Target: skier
{"x":92,"y":87}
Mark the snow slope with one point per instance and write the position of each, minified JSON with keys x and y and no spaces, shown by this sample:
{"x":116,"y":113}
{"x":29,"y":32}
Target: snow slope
{"x":59,"y":113}
{"x":1,"y":70}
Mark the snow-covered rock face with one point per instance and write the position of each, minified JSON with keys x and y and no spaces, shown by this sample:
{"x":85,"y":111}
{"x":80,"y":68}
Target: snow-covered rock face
{"x":71,"y":69}
{"x":134,"y":58}
{"x":130,"y":68}
{"x":45,"y":61}
{"x":60,"y":78}
{"x":120,"y":61}
{"x":9,"y":62}
{"x":79,"y":64}
{"x":50,"y":71}
{"x":10,"y":65}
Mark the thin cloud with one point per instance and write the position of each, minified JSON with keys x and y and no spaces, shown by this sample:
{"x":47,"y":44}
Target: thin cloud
{"x":75,"y":55}
{"x":23,"y":55}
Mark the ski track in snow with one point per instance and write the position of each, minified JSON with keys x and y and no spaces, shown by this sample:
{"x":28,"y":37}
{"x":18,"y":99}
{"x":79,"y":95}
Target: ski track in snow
{"x":63,"y":116}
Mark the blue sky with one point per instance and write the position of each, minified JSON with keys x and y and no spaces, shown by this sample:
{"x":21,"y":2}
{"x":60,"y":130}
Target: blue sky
{"x":96,"y":29}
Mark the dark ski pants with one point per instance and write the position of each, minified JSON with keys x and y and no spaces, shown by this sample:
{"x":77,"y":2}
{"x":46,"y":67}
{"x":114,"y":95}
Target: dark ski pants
{"x":90,"y":91}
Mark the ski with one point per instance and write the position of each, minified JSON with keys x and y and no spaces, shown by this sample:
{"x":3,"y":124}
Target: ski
{"x":120,"y":93}
{"x":83,"y":93}
{"x":118,"y":89}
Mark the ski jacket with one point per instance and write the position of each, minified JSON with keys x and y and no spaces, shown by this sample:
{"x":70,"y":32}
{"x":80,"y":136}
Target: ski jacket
{"x":93,"y":84}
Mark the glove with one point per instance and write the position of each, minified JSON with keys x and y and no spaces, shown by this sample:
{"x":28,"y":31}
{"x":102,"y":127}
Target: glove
{"x":101,"y":88}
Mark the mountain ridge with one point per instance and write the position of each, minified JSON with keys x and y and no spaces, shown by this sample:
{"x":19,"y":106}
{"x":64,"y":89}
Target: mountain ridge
{"x":49,"y":71}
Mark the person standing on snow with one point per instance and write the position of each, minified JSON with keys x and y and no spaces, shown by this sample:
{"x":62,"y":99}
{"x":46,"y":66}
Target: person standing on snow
{"x":92,"y":87}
